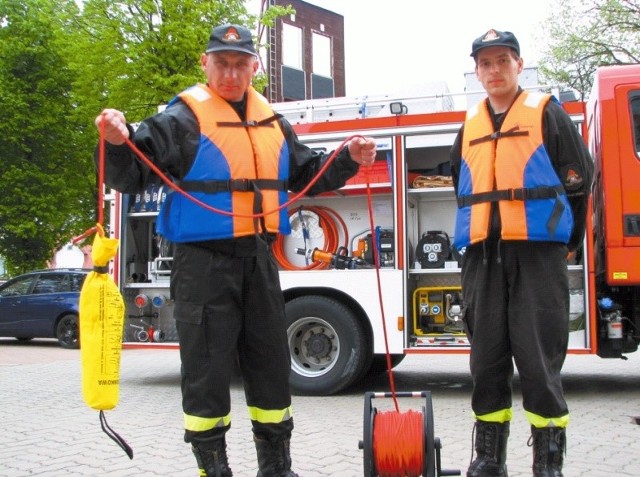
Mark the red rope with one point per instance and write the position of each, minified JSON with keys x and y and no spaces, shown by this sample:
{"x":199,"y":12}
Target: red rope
{"x":398,"y":438}
{"x":376,"y":260}
{"x":178,"y":189}
{"x":398,"y":441}
{"x":100,"y":187}
{"x":101,"y":156}
{"x":172,"y":185}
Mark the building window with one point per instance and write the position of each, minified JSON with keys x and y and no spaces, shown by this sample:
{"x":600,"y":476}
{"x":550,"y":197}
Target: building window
{"x":321,"y":45}
{"x":292,"y":46}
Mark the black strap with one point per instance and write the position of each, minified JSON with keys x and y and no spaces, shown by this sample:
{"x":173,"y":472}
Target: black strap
{"x":102,"y":270}
{"x":542,"y":192}
{"x":239,"y":185}
{"x":250,"y":124}
{"x":233,"y":185}
{"x":115,"y":436}
{"x":554,"y":220}
{"x":514,"y":131}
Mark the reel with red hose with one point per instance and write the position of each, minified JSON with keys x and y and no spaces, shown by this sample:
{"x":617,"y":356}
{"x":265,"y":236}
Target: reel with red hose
{"x":401,"y":444}
{"x":397,"y":444}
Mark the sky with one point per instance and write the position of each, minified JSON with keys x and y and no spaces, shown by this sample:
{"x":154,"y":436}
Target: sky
{"x":393,"y":46}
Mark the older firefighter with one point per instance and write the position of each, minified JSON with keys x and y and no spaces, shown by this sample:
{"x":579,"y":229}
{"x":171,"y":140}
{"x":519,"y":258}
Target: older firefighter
{"x":522,"y":177}
{"x":224,"y":144}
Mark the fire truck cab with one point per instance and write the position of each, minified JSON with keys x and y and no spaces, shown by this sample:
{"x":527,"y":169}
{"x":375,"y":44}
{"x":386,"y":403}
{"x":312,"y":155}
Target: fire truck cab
{"x":369,"y":269}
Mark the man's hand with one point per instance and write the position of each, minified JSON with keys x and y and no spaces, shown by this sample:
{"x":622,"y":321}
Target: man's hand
{"x":115,"y":131}
{"x":362,"y":150}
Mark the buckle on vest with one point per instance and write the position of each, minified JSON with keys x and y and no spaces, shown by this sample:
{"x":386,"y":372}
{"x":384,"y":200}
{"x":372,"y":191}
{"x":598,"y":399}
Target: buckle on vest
{"x":516,"y":194}
{"x":240,"y":185}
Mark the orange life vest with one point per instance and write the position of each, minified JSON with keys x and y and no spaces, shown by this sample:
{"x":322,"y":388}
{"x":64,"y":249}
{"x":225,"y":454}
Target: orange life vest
{"x":240,"y":167}
{"x":512,"y":167}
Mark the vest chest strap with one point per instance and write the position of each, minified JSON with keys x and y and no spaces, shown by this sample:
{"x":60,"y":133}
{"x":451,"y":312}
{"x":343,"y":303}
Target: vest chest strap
{"x":543,"y":192}
{"x":232,"y":185}
{"x":250,"y":124}
{"x":499,"y":134}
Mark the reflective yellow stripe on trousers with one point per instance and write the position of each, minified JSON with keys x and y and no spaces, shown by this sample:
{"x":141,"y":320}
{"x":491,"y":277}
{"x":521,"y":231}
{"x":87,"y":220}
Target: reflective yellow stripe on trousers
{"x":270,"y":416}
{"x":199,"y":424}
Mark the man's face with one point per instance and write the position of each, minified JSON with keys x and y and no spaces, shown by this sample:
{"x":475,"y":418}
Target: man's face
{"x":229,"y":73}
{"x":498,"y":69}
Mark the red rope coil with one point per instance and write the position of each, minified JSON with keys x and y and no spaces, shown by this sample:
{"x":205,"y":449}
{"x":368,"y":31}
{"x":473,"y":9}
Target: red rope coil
{"x":398,"y":443}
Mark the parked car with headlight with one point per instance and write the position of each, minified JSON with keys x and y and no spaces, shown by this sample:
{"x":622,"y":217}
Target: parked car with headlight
{"x":43,"y":304}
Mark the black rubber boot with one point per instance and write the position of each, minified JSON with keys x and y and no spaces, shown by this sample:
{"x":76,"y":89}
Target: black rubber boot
{"x":274,"y":458}
{"x":549,"y":447}
{"x":491,"y":450}
{"x":212,"y":458}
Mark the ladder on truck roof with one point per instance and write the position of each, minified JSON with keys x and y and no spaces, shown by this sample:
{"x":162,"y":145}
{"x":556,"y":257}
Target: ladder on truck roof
{"x":359,"y":107}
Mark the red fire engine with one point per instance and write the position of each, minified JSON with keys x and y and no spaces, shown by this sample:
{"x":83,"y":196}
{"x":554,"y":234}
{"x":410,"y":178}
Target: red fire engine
{"x":330,"y":283}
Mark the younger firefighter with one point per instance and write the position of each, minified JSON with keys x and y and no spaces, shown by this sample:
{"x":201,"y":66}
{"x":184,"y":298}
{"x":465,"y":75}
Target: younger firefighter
{"x":522,"y":177}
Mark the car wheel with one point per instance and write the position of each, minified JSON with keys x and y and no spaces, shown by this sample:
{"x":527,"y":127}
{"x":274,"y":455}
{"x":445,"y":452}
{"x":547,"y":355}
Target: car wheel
{"x":328,"y":346}
{"x":67,"y":332}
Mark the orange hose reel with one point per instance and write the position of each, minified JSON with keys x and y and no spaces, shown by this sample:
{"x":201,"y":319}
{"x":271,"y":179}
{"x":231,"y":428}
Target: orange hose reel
{"x":328,"y":221}
{"x":401,"y":444}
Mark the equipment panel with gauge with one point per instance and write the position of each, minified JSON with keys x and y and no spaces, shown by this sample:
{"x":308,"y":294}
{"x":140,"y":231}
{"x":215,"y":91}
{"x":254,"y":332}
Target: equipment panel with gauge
{"x":437,"y":310}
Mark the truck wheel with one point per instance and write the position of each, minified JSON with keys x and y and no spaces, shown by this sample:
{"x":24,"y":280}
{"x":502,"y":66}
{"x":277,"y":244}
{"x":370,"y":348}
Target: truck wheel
{"x":327,"y":344}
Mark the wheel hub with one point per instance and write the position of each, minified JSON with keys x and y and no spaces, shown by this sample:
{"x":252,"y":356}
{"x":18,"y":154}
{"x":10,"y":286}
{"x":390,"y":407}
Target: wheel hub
{"x":318,"y":345}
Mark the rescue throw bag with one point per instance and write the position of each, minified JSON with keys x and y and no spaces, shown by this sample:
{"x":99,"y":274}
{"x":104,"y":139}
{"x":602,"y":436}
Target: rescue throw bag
{"x":101,"y":323}
{"x":433,"y":249}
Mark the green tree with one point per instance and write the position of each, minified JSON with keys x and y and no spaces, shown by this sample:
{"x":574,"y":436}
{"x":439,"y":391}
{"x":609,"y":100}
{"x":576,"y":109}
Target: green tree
{"x":60,"y":65}
{"x":586,"y":34}
{"x":135,"y":55}
{"x":42,"y":172}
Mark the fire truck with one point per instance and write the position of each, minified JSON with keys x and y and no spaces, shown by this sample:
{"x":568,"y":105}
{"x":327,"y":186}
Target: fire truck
{"x":369,"y":270}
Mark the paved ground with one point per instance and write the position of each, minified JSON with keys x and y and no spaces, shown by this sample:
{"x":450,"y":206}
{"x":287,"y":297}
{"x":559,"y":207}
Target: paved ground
{"x":47,"y":430}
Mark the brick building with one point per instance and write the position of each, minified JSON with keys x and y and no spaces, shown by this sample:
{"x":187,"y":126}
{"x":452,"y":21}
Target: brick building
{"x":306,"y":55}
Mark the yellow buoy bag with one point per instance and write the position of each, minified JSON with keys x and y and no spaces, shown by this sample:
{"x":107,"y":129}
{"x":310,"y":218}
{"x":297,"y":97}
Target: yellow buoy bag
{"x":101,"y":325}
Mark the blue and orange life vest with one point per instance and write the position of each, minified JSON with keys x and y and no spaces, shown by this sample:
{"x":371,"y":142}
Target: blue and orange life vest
{"x":241,"y":167}
{"x":512,"y":167}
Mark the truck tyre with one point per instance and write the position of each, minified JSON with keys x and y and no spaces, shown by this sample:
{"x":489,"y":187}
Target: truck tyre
{"x":328,"y":346}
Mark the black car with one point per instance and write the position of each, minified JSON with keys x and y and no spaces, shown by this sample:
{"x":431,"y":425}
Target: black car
{"x":43,"y":304}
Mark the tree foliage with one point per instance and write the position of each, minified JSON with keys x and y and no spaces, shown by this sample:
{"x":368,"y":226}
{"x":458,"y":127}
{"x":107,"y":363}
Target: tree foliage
{"x":42,"y":169}
{"x":134,"y":55}
{"x":586,"y":34}
{"x":60,"y":65}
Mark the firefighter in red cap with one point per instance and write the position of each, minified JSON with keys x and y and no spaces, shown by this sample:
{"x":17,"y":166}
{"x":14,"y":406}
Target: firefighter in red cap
{"x":522,"y":176}
{"x":224,"y":144}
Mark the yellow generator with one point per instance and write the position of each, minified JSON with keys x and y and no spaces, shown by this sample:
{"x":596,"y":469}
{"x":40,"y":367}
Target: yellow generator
{"x":437,"y":310}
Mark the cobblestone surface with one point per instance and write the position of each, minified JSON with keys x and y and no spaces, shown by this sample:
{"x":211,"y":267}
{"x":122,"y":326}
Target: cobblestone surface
{"x":46,"y":429}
